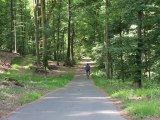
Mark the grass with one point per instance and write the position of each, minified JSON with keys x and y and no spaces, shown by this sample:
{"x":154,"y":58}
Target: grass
{"x":22,"y":62}
{"x":25,"y":60}
{"x":36,"y":85}
{"x":28,"y":97}
{"x":144,"y":108}
{"x":140,"y":103}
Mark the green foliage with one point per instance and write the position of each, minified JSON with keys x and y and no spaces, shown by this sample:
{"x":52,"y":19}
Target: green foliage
{"x":22,"y":64}
{"x":35,"y":85}
{"x":98,"y":54}
{"x":4,"y":23}
{"x":88,"y":19}
{"x":99,"y":77}
{"x":28,"y":97}
{"x":140,"y":103}
{"x":27,"y":59}
{"x":144,"y":108}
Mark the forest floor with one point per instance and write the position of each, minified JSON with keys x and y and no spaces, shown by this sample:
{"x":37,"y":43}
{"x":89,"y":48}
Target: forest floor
{"x":79,"y":100}
{"x":8,"y":99}
{"x":10,"y":88}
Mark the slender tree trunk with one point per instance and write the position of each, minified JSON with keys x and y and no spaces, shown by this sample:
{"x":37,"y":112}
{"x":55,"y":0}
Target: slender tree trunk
{"x":147,"y":54}
{"x":121,"y":54}
{"x":25,"y":28}
{"x":106,"y":43}
{"x":43,"y":14}
{"x":36,"y":2}
{"x":72,"y":44}
{"x":69,"y":34}
{"x":54,"y":38}
{"x":54,"y":46}
{"x":138,"y":72}
{"x":63,"y":44}
{"x":40,"y":39}
{"x":146,"y":67}
{"x":12,"y":25}
{"x":111,"y":67}
{"x":58,"y":31}
{"x":58,"y":44}
{"x":22,"y":27}
{"x":122,"y":61}
{"x":149,"y":67}
{"x":15,"y":31}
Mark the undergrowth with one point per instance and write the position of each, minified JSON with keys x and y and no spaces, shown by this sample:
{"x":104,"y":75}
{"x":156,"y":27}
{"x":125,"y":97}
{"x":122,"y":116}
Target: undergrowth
{"x":35,"y":85}
{"x":140,"y":103}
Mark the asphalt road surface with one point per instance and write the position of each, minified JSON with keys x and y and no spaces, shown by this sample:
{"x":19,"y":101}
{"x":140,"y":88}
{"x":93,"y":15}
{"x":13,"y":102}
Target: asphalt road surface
{"x":79,"y":100}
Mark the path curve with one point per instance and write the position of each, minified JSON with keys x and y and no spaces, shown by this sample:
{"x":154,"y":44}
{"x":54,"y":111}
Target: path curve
{"x":79,"y":100}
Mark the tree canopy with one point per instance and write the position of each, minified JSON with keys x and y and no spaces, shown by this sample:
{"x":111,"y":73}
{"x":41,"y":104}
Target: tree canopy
{"x":122,"y":36}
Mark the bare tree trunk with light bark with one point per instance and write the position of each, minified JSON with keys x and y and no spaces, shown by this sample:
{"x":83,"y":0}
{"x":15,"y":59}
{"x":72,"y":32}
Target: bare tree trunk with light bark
{"x":36,"y":2}
{"x":43,"y":16}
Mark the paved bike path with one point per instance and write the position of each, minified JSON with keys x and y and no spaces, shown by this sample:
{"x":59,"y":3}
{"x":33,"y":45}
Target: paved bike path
{"x":79,"y":100}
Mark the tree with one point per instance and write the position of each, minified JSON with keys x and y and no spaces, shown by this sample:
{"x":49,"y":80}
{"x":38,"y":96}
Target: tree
{"x":138,"y":72}
{"x":72,"y":43}
{"x":15,"y":30}
{"x":58,"y":31}
{"x":12,"y":25}
{"x":106,"y":42}
{"x":36,"y":2}
{"x":65,"y":31}
{"x":69,"y":34}
{"x":43,"y":15}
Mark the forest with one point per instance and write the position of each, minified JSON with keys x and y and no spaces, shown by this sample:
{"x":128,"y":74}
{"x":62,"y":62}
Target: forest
{"x":121,"y":36}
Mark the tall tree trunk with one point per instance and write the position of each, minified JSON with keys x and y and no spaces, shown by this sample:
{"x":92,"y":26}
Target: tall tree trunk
{"x":149,"y":67}
{"x":36,"y":2}
{"x":138,"y":72}
{"x":22,"y":27}
{"x":72,"y":44}
{"x":146,"y":66}
{"x":58,"y":31}
{"x":63,"y":44}
{"x":111,"y":67}
{"x":55,"y":43}
{"x":106,"y":42}
{"x":12,"y":25}
{"x":15,"y":31}
{"x":121,"y":54}
{"x":69,"y":34}
{"x":43,"y":14}
{"x":54,"y":37}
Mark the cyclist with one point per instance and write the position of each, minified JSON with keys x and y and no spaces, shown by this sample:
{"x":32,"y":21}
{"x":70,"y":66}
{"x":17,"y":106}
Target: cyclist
{"x":87,"y":68}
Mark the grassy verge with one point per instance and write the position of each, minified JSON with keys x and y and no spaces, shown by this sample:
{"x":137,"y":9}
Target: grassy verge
{"x":34,"y":85}
{"x":140,"y":103}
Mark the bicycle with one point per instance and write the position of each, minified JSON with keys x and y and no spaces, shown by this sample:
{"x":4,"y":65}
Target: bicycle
{"x":88,"y":74}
